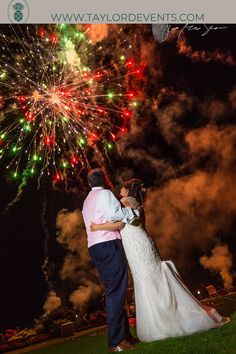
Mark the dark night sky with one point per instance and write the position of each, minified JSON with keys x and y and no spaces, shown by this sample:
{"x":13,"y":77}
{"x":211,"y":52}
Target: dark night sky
{"x":23,"y":288}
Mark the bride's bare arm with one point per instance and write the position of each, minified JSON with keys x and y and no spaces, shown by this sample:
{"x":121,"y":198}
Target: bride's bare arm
{"x":108,"y":226}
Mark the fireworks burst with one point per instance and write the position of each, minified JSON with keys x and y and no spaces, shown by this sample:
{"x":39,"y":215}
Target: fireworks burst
{"x":63,"y":101}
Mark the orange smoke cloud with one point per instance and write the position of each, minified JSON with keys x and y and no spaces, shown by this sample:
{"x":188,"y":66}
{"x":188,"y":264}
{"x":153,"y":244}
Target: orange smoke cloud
{"x":72,"y":233}
{"x":52,"y":302}
{"x":98,"y":32}
{"x":77,"y":265}
{"x":220,"y":261}
{"x":188,"y":213}
{"x":202,"y":55}
{"x":81,"y":297}
{"x":169,"y":118}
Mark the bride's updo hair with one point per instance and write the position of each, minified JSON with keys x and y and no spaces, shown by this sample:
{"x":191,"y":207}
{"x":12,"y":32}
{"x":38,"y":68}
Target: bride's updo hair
{"x":136,"y":189}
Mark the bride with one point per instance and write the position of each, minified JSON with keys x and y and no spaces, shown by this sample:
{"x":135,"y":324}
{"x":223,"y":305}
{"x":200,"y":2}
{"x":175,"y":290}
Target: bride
{"x":164,"y":305}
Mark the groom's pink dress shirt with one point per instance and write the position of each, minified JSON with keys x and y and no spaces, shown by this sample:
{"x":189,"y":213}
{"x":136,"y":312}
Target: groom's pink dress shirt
{"x":101,"y":206}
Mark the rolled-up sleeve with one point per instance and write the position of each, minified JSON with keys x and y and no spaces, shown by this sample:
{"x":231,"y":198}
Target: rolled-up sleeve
{"x":112,"y":210}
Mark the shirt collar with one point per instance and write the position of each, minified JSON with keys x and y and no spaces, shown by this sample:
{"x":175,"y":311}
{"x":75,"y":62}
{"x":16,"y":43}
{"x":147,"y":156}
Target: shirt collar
{"x":94,"y":188}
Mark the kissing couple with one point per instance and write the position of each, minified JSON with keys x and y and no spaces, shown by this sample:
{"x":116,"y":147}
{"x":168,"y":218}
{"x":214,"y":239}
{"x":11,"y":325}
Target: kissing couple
{"x":116,"y":234}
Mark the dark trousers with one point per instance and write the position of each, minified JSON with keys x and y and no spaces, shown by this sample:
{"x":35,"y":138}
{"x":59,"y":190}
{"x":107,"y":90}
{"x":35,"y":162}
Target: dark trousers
{"x":110,"y":261}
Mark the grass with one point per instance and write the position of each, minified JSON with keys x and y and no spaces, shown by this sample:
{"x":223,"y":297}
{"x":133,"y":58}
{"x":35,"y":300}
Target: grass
{"x":216,"y":341}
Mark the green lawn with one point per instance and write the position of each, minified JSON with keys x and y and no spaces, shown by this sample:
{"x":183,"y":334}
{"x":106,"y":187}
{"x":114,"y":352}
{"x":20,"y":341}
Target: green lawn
{"x":215,"y":341}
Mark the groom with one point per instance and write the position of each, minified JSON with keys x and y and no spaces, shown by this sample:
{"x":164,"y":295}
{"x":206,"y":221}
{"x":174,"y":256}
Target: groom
{"x":107,"y":253}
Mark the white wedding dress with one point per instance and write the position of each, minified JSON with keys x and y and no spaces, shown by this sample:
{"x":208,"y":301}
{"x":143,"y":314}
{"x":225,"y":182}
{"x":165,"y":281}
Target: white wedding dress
{"x":164,"y":305}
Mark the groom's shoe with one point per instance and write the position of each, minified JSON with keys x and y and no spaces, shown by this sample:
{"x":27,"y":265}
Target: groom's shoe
{"x":133,"y":340}
{"x":122,"y":346}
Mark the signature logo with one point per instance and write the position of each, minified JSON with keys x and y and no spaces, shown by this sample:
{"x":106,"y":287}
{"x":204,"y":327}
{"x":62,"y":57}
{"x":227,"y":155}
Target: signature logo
{"x":18,"y":11}
{"x":161,"y":32}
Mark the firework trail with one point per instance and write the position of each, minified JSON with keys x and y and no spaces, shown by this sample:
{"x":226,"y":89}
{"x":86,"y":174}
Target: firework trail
{"x":21,"y":187}
{"x":45,"y":266}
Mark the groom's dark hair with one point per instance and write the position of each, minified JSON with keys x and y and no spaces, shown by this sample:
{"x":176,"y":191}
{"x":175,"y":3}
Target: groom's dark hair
{"x":96,"y":178}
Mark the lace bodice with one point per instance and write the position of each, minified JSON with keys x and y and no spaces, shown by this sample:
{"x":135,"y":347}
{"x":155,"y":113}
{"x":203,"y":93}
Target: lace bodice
{"x":141,"y":251}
